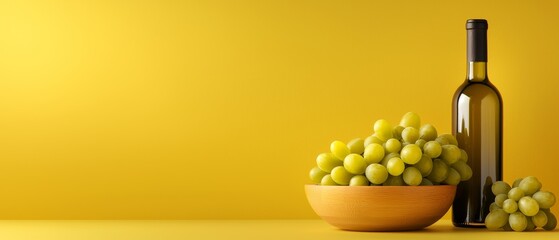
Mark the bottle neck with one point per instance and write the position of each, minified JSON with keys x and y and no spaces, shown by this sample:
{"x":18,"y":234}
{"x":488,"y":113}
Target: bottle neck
{"x":477,"y":50}
{"x":477,"y":71}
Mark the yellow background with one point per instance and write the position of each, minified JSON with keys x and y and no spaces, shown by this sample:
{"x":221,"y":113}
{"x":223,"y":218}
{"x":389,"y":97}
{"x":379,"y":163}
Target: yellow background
{"x":217,"y":109}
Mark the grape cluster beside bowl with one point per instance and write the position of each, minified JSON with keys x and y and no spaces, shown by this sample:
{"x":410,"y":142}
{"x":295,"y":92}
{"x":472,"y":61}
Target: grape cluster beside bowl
{"x":399,"y":178}
{"x":522,"y":207}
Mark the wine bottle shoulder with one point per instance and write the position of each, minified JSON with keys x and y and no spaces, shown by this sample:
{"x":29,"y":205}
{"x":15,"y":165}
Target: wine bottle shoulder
{"x":477,"y":90}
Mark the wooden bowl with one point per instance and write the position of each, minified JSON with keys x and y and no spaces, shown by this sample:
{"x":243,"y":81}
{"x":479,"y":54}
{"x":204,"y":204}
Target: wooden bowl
{"x":380,"y":208}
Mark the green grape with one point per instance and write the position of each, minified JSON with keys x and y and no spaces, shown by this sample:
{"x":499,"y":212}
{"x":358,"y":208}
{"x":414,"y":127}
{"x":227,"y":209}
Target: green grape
{"x":393,"y":145}
{"x":341,"y":176}
{"x":517,"y":182}
{"x":327,"y":161}
{"x":374,"y":153}
{"x":528,"y":206}
{"x":450,"y":154}
{"x":316,"y":175}
{"x":500,"y":187}
{"x":433,"y":149}
{"x":499,"y":199}
{"x":453,"y":177}
{"x":510,"y":206}
{"x":412,"y":176}
{"x":530,"y":225}
{"x":464,"y":170}
{"x":450,"y":139}
{"x":397,"y":132}
{"x":327,"y":181}
{"x":425,"y":165}
{"x":376,"y":173}
{"x":496,"y":219}
{"x":530,"y":185}
{"x":383,"y":130}
{"x":518,"y":221}
{"x":339,"y":149}
{"x":410,"y":119}
{"x":507,"y":227}
{"x":420,"y":143}
{"x":516,"y":194}
{"x":359,"y":180}
{"x":372,"y":139}
{"x":387,"y":157}
{"x":439,"y":172}
{"x":551,"y":221}
{"x":394,"y":181}
{"x":545,"y":199}
{"x":410,"y":134}
{"x":425,"y":182}
{"x":428,"y":132}
{"x":442,"y":141}
{"x":463,"y":155}
{"x":355,"y":164}
{"x":540,"y":219}
{"x":395,"y":166}
{"x":493,"y":206}
{"x":411,"y":154}
{"x":356,"y":146}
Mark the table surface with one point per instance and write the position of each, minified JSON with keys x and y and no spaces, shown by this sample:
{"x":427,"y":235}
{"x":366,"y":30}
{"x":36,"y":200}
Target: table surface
{"x":235,"y":229}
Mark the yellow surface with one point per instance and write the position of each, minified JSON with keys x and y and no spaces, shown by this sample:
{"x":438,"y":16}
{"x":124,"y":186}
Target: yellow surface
{"x":237,"y":229}
{"x":217,"y":109}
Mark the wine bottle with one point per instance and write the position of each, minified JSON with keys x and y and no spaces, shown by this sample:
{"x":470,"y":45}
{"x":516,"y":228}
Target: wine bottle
{"x":477,"y":123}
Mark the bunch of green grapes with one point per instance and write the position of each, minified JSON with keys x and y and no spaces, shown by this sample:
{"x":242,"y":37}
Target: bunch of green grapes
{"x":522,"y":207}
{"x":404,"y":155}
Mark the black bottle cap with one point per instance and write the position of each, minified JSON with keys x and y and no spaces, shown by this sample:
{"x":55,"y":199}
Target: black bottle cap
{"x":477,"y":40}
{"x":476,"y":24}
